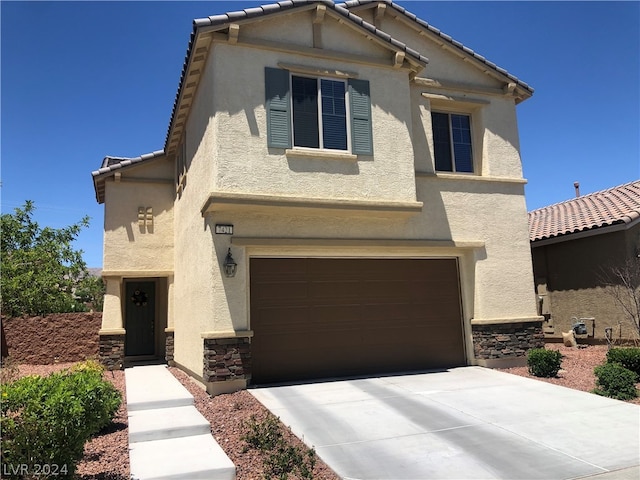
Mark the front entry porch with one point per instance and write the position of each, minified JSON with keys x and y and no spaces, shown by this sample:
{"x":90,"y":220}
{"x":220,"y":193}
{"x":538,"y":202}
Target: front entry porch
{"x":134,"y":322}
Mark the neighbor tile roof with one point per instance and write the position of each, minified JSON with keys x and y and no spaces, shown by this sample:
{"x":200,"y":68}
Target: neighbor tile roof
{"x":616,"y":205}
{"x":443,"y":36}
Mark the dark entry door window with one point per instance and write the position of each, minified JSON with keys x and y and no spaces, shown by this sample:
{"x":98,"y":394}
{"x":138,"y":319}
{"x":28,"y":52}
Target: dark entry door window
{"x":140,"y":318}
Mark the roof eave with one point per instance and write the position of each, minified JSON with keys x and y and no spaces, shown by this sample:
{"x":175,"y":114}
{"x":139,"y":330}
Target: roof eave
{"x":520,"y":89}
{"x":213,"y":24}
{"x":124,"y":163}
{"x":591,"y":232}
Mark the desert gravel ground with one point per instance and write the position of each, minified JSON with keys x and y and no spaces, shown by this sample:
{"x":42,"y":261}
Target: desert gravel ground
{"x":577,"y":367}
{"x":106,"y":456}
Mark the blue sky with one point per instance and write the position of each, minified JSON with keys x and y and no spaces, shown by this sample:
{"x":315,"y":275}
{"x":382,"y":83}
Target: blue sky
{"x":81,"y":80}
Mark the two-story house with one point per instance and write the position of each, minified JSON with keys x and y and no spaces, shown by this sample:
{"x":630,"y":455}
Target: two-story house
{"x":340,"y":193}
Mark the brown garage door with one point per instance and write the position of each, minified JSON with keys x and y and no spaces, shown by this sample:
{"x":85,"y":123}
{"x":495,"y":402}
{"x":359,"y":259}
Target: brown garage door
{"x":324,"y":317}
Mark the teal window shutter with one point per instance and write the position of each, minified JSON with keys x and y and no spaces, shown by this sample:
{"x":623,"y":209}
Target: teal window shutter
{"x":361,"y":131}
{"x":277,"y":101}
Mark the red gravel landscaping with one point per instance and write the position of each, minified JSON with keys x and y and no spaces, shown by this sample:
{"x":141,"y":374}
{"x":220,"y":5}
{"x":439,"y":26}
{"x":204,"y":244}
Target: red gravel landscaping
{"x":577,"y":367}
{"x":106,"y":457}
{"x":228,"y":415}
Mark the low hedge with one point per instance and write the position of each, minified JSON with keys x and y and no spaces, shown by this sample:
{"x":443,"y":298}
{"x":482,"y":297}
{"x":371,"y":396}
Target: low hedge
{"x":628,"y":357}
{"x":544,"y":363}
{"x":615,"y":381}
{"x":46,"y":421}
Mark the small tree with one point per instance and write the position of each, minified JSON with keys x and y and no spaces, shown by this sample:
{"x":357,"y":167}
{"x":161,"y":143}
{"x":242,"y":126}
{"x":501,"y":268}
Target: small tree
{"x":622,"y":283}
{"x":40,"y":269}
{"x":91,"y":292}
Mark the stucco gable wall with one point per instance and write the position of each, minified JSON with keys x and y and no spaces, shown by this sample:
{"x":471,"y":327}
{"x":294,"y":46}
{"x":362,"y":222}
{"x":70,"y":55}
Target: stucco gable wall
{"x":292,"y":27}
{"x":159,"y":168}
{"x":494,"y":122}
{"x":129,"y":246}
{"x":296,"y":29}
{"x":246,"y":164}
{"x":443,"y":64}
{"x":338,"y":37}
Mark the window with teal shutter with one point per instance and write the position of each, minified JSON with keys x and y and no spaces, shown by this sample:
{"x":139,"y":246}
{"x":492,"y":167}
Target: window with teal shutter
{"x":361,"y":131}
{"x":334,"y":114}
{"x":278,"y":116}
{"x":305,"y":112}
{"x":318,"y":113}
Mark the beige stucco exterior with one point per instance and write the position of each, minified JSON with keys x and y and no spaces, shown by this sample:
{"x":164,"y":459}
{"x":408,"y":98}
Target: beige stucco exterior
{"x":137,"y":247}
{"x":287,"y":203}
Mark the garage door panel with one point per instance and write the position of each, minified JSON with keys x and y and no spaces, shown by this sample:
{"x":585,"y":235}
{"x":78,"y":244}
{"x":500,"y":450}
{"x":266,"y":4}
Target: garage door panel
{"x":285,"y":267}
{"x":276,"y":293}
{"x":336,"y":290}
{"x":354,"y":316}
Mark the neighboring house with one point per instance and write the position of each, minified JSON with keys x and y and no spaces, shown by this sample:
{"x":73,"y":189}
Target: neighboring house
{"x":362,"y":171}
{"x":575,"y":245}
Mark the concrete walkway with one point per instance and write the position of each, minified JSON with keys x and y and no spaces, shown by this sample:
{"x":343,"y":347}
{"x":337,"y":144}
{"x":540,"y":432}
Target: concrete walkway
{"x":168,"y":437}
{"x":465,"y":423}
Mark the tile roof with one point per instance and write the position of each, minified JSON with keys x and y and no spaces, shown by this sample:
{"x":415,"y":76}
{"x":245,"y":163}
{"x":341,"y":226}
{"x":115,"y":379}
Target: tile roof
{"x":113,"y":164}
{"x":617,"y":205}
{"x":249,"y":13}
{"x":443,"y":36}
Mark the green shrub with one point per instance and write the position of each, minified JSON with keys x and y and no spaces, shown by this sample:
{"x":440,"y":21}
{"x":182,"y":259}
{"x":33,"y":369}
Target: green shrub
{"x":47,"y":420}
{"x":544,"y":363}
{"x":100,"y":399}
{"x":286,"y":459}
{"x":615,"y":381}
{"x":280,"y":457}
{"x":263,"y":435}
{"x":627,"y":357}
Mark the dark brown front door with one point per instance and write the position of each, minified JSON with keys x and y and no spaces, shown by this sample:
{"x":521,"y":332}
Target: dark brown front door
{"x":316,"y":317}
{"x":140,"y":317}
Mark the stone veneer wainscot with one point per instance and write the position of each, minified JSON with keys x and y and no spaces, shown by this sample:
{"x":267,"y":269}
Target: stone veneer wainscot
{"x":227,"y":359}
{"x":112,"y":351}
{"x":169,"y":347}
{"x":506,"y":344}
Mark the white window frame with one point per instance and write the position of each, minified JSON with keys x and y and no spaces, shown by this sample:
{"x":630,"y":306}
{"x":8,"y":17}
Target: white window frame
{"x":320,"y":125}
{"x":474,"y":141}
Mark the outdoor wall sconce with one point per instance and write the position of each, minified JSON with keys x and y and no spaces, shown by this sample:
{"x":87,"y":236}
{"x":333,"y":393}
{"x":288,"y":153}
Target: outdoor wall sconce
{"x":230,"y":266}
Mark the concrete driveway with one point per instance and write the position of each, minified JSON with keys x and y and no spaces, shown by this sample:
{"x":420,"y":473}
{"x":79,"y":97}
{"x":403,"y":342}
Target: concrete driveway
{"x":464,"y":423}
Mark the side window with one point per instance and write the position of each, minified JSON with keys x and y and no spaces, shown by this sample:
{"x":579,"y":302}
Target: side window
{"x":181,"y":166}
{"x":452,"y":142}
{"x":320,"y":113}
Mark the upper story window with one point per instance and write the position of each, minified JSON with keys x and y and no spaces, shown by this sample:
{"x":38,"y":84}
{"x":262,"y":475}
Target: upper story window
{"x":452,"y":142}
{"x":318,"y":113}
